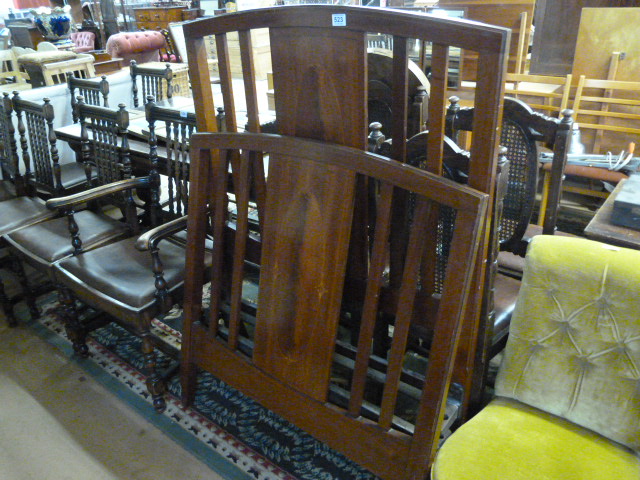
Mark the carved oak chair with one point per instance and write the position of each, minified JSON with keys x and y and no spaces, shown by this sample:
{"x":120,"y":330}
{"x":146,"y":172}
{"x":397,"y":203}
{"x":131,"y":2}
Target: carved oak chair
{"x":44,"y":175}
{"x":94,"y":91}
{"x":305,"y":226}
{"x":522,"y":128}
{"x":329,"y":102}
{"x":154,"y":81}
{"x":135,"y":279}
{"x":567,"y":396}
{"x":12,"y":180}
{"x":106,"y":153}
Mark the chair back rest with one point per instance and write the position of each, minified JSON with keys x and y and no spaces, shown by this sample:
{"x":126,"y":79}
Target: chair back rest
{"x":105,"y":142}
{"x":83,"y":39}
{"x":305,"y":232}
{"x":169,"y":53}
{"x":608,"y":112}
{"x":56,"y":73}
{"x":547,"y":94}
{"x":155,"y":82}
{"x":38,"y":143}
{"x":318,"y":58}
{"x":9,"y":68}
{"x":94,"y":91}
{"x":9,"y":163}
{"x":573,"y":342}
{"x":174,"y":128}
{"x":522,"y":128}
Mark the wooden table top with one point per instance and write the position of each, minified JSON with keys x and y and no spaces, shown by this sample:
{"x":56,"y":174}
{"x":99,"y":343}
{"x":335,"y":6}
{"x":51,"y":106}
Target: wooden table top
{"x":600,"y":227}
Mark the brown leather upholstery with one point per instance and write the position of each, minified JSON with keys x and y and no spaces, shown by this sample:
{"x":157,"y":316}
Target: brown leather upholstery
{"x":506,"y":292}
{"x":50,"y":241}
{"x":122,"y":273}
{"x":7,"y":190}
{"x":512,"y":264}
{"x":22,"y":211}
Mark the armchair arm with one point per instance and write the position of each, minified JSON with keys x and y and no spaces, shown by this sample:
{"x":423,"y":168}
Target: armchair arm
{"x":95,"y":193}
{"x":150,"y":239}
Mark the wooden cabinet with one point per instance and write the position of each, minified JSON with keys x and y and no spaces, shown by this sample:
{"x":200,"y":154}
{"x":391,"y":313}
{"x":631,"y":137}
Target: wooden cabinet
{"x":155,"y":18}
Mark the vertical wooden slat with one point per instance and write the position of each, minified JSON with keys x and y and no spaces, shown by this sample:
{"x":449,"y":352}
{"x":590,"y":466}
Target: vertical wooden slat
{"x":399,"y":82}
{"x":370,"y":308}
{"x":469,"y":369}
{"x":218,"y":211}
{"x":226,"y":82}
{"x":200,"y":83}
{"x":249,"y":78}
{"x":200,"y":168}
{"x":450,"y":320}
{"x":241,"y":184}
{"x":404,"y":311}
{"x":437,"y":105}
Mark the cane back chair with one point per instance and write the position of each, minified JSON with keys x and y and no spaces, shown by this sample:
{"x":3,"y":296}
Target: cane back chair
{"x":305,"y":236}
{"x":320,"y":88}
{"x":94,"y":91}
{"x":147,"y":278}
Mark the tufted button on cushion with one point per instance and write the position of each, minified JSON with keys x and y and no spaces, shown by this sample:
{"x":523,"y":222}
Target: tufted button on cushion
{"x":139,"y":46}
{"x":590,"y":372}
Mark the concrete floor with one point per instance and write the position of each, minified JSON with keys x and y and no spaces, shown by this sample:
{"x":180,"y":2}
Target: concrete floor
{"x":57,"y":422}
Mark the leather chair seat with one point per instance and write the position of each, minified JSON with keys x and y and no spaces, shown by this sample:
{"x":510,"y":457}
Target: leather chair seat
{"x":49,"y":241}
{"x":7,"y":190}
{"x":512,"y":264}
{"x":122,"y":273}
{"x":527,"y":443}
{"x":21,"y":212}
{"x":506,"y":292}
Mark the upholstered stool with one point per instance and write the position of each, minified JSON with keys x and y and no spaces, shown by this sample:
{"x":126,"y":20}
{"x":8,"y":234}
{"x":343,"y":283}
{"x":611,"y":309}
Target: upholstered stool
{"x":32,"y":63}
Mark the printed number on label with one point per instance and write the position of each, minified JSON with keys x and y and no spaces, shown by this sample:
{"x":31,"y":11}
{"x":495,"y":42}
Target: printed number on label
{"x":184,"y":114}
{"x":339,"y":20}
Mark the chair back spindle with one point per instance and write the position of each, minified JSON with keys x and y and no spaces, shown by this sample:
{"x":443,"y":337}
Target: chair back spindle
{"x":94,"y":91}
{"x":154,"y":81}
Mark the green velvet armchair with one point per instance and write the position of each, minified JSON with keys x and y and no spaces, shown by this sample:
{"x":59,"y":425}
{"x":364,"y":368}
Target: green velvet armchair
{"x":567,"y":401}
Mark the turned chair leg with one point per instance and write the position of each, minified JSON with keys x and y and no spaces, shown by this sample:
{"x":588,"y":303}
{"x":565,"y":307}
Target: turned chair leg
{"x":7,"y":306}
{"x":155,"y":383}
{"x":29,"y":297}
{"x":72,"y":325}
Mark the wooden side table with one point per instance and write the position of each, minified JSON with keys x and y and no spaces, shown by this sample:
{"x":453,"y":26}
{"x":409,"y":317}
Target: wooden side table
{"x":600,"y":227}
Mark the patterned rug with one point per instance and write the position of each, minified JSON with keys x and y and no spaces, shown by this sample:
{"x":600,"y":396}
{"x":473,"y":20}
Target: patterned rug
{"x":231,"y":427}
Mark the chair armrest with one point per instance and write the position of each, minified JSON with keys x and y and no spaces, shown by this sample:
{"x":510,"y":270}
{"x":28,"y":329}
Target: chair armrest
{"x":95,"y":193}
{"x":150,"y":239}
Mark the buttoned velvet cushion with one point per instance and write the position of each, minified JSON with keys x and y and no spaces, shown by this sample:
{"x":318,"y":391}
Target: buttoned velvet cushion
{"x":50,"y":241}
{"x":509,"y":440}
{"x":573,"y":352}
{"x":122,"y":273}
{"x":22,"y":211}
